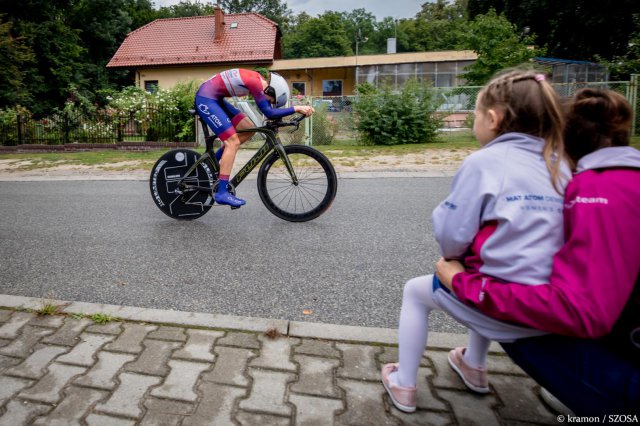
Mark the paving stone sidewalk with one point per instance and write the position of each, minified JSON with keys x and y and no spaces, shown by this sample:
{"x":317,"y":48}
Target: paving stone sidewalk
{"x":155,"y":367}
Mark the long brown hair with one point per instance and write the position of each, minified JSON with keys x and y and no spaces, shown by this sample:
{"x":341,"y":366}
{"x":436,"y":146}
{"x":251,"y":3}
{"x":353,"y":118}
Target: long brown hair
{"x":529,"y":105}
{"x":596,"y":119}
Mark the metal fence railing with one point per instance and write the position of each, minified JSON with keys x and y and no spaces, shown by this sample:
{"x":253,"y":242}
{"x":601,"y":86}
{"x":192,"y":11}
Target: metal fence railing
{"x":98,"y":127}
{"x":334,"y":122}
{"x":635,"y":102}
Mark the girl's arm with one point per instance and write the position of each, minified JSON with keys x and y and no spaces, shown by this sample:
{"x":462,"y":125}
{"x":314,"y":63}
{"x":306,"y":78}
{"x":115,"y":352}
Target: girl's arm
{"x":593,"y":273}
{"x":457,"y":220}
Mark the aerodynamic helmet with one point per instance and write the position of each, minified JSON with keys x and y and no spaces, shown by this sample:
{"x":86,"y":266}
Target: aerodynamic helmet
{"x":278,"y":89}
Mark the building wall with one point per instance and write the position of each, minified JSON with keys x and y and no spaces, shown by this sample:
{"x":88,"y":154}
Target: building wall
{"x":169,"y":76}
{"x":314,"y":78}
{"x":340,"y":78}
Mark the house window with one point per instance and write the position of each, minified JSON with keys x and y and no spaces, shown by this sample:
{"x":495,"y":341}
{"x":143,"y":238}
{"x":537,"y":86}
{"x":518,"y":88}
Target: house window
{"x":367,"y":74}
{"x":299,"y":88}
{"x":151,"y":86}
{"x":331,"y":87}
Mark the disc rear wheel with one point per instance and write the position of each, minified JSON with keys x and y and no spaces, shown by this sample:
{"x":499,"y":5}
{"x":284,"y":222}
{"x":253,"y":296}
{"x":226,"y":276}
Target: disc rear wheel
{"x":176,"y":202}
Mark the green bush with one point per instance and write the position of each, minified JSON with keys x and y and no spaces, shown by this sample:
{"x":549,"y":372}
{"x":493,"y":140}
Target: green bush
{"x":163,"y":115}
{"x":323,"y":127}
{"x":386,"y":117}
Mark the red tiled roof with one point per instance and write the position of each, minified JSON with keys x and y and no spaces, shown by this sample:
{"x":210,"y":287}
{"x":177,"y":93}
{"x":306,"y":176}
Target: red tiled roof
{"x":191,"y":41}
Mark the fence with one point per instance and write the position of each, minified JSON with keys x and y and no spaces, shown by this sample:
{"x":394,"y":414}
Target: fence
{"x":99,"y":127}
{"x":333,"y":123}
{"x":337,"y":123}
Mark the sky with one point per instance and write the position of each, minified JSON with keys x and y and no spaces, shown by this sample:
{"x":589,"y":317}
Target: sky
{"x":379,"y":8}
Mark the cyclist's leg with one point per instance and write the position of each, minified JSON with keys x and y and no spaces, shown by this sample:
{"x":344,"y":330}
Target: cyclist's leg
{"x":239,"y":120}
{"x":212,"y":111}
{"x":215,"y":116}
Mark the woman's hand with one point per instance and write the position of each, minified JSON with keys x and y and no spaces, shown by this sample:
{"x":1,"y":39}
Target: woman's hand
{"x":304,"y":109}
{"x":446,"y":269}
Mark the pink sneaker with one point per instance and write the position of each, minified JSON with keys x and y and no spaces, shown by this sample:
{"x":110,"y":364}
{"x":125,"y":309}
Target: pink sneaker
{"x":475,"y":379}
{"x":403,"y":398}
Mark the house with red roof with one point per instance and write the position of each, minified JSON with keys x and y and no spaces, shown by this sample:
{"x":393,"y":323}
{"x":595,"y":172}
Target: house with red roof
{"x":167,"y":51}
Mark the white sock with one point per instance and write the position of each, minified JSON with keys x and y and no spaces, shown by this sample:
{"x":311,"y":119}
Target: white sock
{"x":476,"y":354}
{"x":413,"y":328}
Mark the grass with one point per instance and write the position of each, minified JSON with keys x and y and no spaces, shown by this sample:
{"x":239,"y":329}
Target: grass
{"x":34,"y":161}
{"x":101,"y":318}
{"x":47,"y":308}
{"x":347,"y":151}
{"x":144,"y":160}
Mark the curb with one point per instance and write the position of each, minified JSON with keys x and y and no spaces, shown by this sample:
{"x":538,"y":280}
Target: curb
{"x":346,"y":333}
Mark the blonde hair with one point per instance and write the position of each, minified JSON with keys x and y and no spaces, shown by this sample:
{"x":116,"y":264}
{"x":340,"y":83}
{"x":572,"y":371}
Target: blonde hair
{"x":529,"y":105}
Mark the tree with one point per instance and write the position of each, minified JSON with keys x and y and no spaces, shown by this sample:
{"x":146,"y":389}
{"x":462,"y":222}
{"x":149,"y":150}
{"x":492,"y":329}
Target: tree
{"x":318,"y":37}
{"x":56,"y":46}
{"x":185,"y":9}
{"x":103,"y":24}
{"x":570,"y":29}
{"x":443,"y":10}
{"x":621,"y":67}
{"x":275,"y":10}
{"x":361,"y":25}
{"x":14,"y":55}
{"x":498,"y":45}
{"x":438,"y":26}
{"x":141,"y":12}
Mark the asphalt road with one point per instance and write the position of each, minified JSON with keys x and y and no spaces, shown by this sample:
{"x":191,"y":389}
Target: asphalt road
{"x":106,"y":242}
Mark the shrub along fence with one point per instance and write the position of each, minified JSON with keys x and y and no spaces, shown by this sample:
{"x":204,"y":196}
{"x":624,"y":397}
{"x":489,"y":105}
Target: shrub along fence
{"x":337,"y":120}
{"x":99,"y":127}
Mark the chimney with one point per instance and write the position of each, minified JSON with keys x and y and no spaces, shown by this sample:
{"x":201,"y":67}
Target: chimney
{"x":219,"y":23}
{"x":391,"y":45}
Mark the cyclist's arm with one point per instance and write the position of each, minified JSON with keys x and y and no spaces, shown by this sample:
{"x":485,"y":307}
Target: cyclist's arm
{"x":271,"y":113}
{"x":255,"y":87}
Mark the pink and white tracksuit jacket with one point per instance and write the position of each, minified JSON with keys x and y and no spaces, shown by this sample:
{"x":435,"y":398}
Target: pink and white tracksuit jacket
{"x":594,"y":273}
{"x":503,"y":217}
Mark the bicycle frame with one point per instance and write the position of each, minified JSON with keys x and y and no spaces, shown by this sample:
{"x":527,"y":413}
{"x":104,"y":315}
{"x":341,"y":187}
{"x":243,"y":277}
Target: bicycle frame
{"x":272,"y":143}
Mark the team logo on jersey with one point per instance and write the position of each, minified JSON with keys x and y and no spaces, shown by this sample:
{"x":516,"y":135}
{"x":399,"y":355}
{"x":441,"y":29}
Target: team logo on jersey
{"x":215,"y":121}
{"x":204,"y":109}
{"x":586,"y":200}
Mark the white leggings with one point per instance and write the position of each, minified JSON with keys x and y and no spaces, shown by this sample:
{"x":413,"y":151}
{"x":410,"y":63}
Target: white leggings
{"x":418,"y":300}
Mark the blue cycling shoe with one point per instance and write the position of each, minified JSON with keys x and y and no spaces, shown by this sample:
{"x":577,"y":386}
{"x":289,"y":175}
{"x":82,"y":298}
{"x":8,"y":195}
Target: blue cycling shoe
{"x":228,"y":199}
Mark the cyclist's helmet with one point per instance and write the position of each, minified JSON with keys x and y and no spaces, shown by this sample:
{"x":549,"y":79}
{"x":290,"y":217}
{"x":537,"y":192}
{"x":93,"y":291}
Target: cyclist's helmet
{"x":278,"y":89}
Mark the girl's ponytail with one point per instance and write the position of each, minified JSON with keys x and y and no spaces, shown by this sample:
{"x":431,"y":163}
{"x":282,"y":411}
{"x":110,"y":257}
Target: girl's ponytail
{"x":553,"y":151}
{"x":530,"y":105}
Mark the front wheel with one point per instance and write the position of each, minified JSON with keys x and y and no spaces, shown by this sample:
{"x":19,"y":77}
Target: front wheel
{"x":168,"y":171}
{"x":305,"y":200}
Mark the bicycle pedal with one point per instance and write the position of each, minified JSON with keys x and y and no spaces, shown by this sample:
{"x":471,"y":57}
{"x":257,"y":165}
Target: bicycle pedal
{"x":235,"y":208}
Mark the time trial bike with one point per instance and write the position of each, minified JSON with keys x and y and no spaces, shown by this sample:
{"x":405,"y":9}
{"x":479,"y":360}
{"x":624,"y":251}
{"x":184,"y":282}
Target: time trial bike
{"x":295,"y":182}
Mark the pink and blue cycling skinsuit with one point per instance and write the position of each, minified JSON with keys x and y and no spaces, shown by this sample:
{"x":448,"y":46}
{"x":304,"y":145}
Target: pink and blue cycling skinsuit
{"x":220,"y":115}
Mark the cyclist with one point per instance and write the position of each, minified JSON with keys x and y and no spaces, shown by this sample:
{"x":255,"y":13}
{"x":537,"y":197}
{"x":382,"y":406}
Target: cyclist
{"x":223,"y":118}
